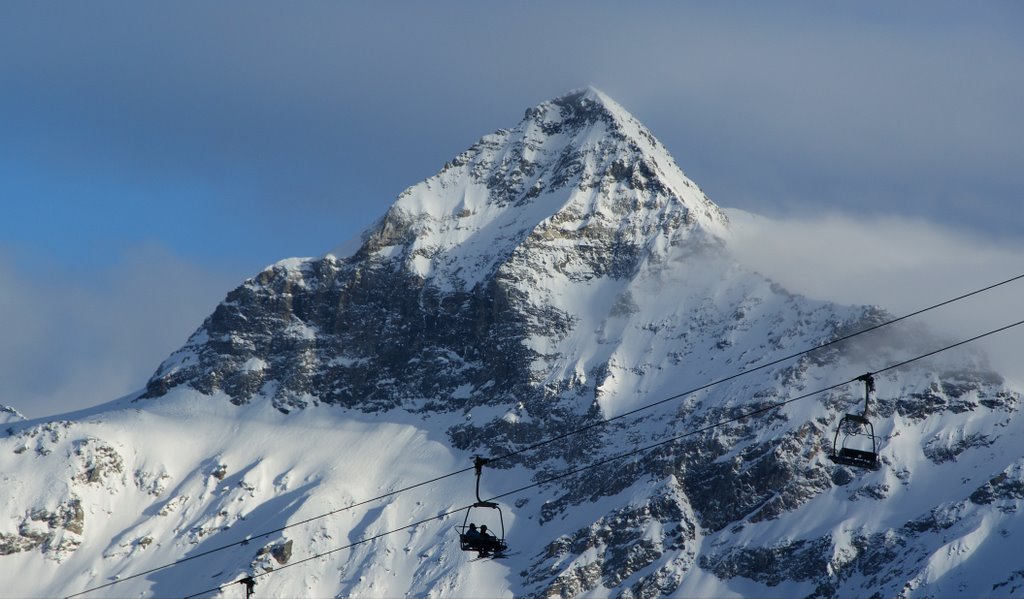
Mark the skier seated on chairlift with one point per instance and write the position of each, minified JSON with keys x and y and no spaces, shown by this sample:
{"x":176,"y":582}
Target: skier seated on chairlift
{"x":480,"y":540}
{"x":487,"y":540}
{"x":473,"y":536}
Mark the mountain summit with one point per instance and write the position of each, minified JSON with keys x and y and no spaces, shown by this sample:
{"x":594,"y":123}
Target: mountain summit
{"x":548,"y":299}
{"x":579,"y":191}
{"x":579,"y":167}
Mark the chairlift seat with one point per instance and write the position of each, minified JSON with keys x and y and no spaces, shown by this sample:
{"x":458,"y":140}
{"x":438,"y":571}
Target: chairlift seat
{"x":856,"y":457}
{"x":482,"y":545}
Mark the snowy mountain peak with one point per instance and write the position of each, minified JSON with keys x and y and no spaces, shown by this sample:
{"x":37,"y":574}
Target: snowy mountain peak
{"x":553,"y":275}
{"x":577,"y":163}
{"x":581,"y":107}
{"x":589,"y":108}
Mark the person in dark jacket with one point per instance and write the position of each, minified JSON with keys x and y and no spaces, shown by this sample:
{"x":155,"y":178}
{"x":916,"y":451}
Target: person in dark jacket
{"x":488,"y":540}
{"x":473,"y":536}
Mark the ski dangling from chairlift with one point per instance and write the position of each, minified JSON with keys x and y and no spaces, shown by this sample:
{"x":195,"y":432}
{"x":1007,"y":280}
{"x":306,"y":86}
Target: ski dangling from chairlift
{"x":482,"y":540}
{"x":859,"y":446}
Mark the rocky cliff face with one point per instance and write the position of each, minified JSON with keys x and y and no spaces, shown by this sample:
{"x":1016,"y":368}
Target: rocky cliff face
{"x":553,"y":275}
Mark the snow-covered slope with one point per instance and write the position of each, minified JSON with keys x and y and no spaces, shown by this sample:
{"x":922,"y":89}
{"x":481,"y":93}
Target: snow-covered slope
{"x":553,"y":275}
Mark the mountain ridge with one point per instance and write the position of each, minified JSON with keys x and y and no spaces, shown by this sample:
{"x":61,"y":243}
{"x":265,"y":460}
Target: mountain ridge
{"x":479,"y":316}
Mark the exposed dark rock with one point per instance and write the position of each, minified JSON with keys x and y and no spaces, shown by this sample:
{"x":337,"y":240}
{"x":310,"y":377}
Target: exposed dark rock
{"x":1005,"y":486}
{"x":44,"y":529}
{"x":280,"y":551}
{"x":622,"y":545}
{"x":98,"y":460}
{"x":941,"y":449}
{"x":799,"y":560}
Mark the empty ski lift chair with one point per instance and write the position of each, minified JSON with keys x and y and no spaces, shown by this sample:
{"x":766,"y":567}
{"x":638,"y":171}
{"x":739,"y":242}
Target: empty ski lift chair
{"x":859,"y":446}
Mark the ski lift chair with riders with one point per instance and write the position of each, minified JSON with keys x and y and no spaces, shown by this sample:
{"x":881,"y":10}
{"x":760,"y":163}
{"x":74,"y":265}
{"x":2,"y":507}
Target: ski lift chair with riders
{"x":481,"y":540}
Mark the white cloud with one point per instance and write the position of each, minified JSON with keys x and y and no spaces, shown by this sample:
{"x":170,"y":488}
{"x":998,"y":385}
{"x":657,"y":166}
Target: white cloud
{"x":900,"y":264}
{"x":71,"y":342}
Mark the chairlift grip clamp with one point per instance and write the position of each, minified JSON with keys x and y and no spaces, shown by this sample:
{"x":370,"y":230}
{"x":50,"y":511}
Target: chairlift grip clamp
{"x":479,"y":462}
{"x":868,"y":379}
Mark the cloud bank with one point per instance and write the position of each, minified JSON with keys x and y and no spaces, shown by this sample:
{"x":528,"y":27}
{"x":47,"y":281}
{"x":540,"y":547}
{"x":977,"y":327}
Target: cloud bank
{"x":72,"y":342}
{"x":897,"y":263}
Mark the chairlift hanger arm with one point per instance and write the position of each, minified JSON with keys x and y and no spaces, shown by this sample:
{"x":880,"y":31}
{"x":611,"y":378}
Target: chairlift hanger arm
{"x":868,"y":379}
{"x":479,"y":462}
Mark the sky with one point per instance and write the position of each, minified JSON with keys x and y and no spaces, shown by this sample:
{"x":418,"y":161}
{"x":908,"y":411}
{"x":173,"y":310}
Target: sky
{"x":154,"y":155}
